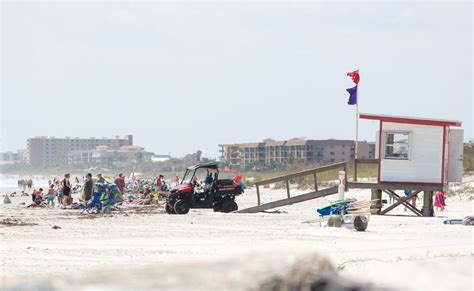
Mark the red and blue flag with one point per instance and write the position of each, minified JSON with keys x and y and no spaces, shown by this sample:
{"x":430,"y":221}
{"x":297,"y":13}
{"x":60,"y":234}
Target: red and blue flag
{"x":353,"y":91}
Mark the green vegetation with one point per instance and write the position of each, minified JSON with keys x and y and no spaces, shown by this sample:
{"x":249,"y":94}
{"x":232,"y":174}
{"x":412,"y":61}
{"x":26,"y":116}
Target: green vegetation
{"x":364,"y":171}
{"x":177,"y":166}
{"x":468,"y":161}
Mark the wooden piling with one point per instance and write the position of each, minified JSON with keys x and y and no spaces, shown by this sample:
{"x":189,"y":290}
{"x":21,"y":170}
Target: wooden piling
{"x":258,"y":196}
{"x":428,"y":204}
{"x":315,"y":182}
{"x":377,"y":194}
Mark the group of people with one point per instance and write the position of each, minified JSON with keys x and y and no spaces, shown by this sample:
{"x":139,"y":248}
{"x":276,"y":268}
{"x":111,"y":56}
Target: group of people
{"x":146,"y":191}
{"x":60,"y":190}
{"x":439,"y":199}
{"x":25,"y":184}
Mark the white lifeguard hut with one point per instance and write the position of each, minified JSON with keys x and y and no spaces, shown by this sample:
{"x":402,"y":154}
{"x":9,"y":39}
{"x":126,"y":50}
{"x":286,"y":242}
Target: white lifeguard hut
{"x":418,"y":150}
{"x":418,"y":154}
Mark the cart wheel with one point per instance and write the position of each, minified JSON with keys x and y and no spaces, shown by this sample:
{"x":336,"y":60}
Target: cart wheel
{"x":181,"y":207}
{"x":335,"y":221}
{"x":169,"y":209}
{"x":361,"y":223}
{"x":229,"y":206}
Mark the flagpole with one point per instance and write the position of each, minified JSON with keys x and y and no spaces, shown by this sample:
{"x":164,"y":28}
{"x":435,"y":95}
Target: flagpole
{"x":357,"y":126}
{"x":357,"y":123}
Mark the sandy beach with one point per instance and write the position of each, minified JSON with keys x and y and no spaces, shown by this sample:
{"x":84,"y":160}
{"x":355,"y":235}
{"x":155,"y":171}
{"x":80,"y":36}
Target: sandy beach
{"x":399,"y":252}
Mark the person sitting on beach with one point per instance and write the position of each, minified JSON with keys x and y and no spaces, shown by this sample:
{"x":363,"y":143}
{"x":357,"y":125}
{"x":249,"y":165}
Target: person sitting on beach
{"x":36,"y":193}
{"x":143,"y":199}
{"x":23,"y":193}
{"x":13,"y":194}
{"x":38,"y":198}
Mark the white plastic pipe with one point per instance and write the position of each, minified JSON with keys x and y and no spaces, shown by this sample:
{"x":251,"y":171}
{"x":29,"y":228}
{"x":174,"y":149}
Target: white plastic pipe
{"x":342,"y":184}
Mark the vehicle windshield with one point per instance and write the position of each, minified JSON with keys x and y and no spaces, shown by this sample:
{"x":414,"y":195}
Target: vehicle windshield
{"x":187,"y":177}
{"x":200,"y":175}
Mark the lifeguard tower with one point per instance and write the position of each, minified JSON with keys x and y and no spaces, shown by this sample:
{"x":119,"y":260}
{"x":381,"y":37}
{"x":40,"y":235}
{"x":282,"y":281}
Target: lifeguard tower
{"x":417,"y":154}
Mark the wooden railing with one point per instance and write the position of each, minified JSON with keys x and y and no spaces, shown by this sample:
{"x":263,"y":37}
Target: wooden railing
{"x":362,"y":161}
{"x":287,"y":178}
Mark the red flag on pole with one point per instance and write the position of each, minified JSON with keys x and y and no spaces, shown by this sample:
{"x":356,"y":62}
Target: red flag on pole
{"x":355,"y":76}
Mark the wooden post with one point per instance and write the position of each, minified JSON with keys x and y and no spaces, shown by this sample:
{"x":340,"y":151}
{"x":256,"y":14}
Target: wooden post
{"x":428,"y":203}
{"x":377,"y":194}
{"x":258,"y":195}
{"x":355,"y":170}
{"x":315,"y":183}
{"x":287,"y":188}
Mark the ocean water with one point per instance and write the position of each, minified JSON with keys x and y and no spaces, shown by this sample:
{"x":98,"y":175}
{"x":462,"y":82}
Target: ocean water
{"x":9,"y":183}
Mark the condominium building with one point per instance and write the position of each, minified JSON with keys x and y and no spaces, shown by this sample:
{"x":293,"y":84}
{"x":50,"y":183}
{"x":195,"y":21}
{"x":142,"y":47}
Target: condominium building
{"x":293,"y":151}
{"x":52,"y":151}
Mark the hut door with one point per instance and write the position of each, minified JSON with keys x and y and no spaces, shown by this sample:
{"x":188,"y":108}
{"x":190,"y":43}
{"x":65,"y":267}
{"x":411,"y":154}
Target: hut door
{"x":455,"y":155}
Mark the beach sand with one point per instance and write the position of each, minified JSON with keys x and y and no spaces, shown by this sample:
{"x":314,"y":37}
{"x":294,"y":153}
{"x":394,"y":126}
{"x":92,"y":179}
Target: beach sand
{"x":400,"y":252}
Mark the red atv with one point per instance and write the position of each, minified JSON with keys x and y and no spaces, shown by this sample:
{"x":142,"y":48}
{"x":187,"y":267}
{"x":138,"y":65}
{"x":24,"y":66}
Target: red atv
{"x":210,"y":192}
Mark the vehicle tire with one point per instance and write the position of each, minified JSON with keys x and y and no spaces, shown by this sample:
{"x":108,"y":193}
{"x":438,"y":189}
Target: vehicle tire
{"x":169,"y":209}
{"x":229,"y":206}
{"x":361,"y":223}
{"x":335,"y":221}
{"x":217,"y":207}
{"x":181,"y":207}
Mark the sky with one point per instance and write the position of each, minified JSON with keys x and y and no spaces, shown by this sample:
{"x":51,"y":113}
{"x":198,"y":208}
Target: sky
{"x":191,"y":75}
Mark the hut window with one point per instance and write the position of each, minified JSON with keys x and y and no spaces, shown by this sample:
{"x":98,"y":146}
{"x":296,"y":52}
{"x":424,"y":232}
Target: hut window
{"x":397,"y":145}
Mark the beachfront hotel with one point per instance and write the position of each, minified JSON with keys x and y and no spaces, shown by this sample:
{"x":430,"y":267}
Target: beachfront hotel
{"x":52,"y":151}
{"x":291,"y":151}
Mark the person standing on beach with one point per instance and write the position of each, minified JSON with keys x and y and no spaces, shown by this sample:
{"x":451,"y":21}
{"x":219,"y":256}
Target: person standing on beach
{"x":87,"y":188}
{"x":120,"y":182}
{"x":29,"y":184}
{"x":66,"y":184}
{"x":440,"y":200}
{"x":59,"y":190}
{"x":51,"y":194}
{"x":159,"y":182}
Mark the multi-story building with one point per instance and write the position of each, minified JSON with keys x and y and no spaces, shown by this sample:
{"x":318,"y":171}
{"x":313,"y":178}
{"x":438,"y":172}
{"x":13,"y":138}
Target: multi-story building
{"x":12,"y":157}
{"x":102,"y":154}
{"x":51,"y":151}
{"x":294,"y":151}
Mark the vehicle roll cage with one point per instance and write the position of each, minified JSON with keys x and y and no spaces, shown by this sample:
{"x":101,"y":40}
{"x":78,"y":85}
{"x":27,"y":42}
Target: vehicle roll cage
{"x":193,"y":169}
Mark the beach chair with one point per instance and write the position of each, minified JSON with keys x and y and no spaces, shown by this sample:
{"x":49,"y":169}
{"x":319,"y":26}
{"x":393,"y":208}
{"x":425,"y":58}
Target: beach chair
{"x":350,"y":212}
{"x":94,"y":205}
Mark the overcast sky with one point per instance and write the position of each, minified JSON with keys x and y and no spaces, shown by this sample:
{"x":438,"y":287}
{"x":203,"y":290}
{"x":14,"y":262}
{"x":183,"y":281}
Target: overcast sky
{"x":187,"y":76}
